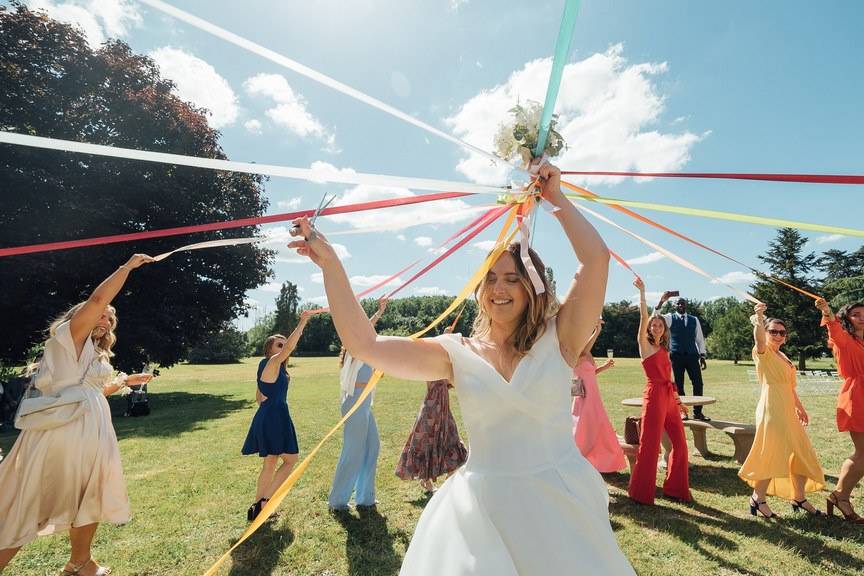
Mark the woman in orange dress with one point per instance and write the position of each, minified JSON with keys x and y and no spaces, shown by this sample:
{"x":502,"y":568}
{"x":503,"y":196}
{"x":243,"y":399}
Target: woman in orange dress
{"x":846,"y":339}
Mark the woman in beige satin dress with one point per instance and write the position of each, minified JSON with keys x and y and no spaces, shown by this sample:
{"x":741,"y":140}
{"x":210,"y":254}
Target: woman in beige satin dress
{"x":70,"y":477}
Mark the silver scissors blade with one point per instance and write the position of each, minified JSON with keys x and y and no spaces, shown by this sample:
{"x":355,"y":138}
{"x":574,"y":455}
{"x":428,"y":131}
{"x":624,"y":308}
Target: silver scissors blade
{"x":321,"y":206}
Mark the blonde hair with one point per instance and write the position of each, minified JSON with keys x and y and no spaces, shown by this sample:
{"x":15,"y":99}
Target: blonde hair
{"x":540,"y":307}
{"x":664,"y":339}
{"x":103,"y":344}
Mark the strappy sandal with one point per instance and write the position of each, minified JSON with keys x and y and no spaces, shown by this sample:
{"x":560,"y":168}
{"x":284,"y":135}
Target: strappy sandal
{"x":76,"y":569}
{"x":835,"y":501}
{"x":799,"y":505}
{"x":756,"y":506}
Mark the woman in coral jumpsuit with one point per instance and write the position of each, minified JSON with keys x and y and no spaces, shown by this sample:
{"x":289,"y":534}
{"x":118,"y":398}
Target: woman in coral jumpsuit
{"x":661,"y":409}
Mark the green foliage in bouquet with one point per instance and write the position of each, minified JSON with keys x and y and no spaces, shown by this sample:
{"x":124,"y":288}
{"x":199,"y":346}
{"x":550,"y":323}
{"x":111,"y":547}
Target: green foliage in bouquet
{"x":519,"y":136}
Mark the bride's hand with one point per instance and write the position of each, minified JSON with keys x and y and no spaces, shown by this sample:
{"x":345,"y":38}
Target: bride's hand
{"x":312,"y":243}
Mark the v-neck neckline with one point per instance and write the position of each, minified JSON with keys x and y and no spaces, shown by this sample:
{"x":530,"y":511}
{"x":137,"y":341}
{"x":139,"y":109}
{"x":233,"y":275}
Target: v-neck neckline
{"x":491,"y":367}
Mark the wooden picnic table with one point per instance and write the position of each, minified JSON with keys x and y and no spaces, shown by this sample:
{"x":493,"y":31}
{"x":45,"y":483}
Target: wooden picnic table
{"x":686,"y":400}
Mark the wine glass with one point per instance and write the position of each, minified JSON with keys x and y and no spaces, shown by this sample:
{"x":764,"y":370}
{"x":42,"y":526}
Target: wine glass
{"x":610,"y":353}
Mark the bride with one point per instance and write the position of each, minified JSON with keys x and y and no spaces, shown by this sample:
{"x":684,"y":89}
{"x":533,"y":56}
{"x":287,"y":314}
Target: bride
{"x":526,"y":501}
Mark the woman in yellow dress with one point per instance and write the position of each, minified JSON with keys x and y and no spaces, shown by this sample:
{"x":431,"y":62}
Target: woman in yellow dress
{"x":782,"y":461}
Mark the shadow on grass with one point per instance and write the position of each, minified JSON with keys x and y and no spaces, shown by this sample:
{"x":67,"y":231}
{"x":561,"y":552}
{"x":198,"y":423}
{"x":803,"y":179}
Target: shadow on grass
{"x":690,"y":525}
{"x":172,"y":413}
{"x":259,"y":555}
{"x":369,"y":545}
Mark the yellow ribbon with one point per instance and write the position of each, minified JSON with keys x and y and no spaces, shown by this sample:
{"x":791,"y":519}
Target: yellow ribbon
{"x":278,"y":496}
{"x":722,"y":215}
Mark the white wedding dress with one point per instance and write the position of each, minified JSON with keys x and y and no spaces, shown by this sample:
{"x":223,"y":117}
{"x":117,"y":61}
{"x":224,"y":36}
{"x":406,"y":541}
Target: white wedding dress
{"x":526,"y":502}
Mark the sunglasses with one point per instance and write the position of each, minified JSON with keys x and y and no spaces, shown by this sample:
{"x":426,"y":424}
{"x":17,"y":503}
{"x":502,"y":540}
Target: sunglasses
{"x":777,"y":332}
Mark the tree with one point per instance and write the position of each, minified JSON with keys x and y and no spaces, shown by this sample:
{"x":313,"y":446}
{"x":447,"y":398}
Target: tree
{"x":732,"y":338}
{"x":620,"y":327}
{"x":258,"y":333}
{"x":841,"y":264}
{"x":226,"y":346}
{"x":788,"y":262}
{"x":55,"y":85}
{"x":287,"y":305}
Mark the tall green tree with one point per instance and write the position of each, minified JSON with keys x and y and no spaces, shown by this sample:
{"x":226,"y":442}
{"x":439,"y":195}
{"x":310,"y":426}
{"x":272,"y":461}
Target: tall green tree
{"x":620,"y":327}
{"x":55,"y":85}
{"x":788,"y":261}
{"x":732,"y":338}
{"x":287,"y":309}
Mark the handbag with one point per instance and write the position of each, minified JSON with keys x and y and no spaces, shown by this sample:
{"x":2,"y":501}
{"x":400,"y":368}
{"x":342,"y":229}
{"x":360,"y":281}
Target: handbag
{"x":40,"y":412}
{"x":632,"y":428}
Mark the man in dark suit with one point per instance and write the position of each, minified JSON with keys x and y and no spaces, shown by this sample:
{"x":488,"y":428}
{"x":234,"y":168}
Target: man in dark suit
{"x":686,"y":349}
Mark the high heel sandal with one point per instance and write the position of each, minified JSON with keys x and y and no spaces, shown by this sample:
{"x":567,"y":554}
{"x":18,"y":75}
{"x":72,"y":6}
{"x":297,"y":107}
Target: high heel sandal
{"x":798,"y":505}
{"x":835,"y":501}
{"x":755,"y":507}
{"x":76,"y":569}
{"x":254,"y":510}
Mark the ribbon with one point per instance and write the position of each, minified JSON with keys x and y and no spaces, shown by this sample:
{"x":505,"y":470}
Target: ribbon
{"x":671,"y":255}
{"x":224,"y":225}
{"x":659,"y":226}
{"x":318,"y":175}
{"x":562,"y":50}
{"x":456,"y":319}
{"x":482,"y":226}
{"x":286,"y":62}
{"x":281,"y":492}
{"x":721,"y":215}
{"x":806,"y":178}
{"x":524,"y":246}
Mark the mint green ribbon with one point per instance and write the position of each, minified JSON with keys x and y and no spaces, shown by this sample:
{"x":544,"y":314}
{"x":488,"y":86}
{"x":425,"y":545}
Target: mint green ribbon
{"x":562,"y":51}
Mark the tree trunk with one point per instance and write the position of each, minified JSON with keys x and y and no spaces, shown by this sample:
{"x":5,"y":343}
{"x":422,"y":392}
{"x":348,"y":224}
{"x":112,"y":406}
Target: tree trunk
{"x":802,"y":361}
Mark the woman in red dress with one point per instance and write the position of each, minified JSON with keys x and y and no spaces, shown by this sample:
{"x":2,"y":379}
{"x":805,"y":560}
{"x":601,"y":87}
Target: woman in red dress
{"x":846,"y":339}
{"x":661,"y":410}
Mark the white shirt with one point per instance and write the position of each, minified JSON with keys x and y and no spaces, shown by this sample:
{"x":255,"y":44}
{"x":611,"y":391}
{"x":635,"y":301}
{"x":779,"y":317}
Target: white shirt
{"x":700,"y":339}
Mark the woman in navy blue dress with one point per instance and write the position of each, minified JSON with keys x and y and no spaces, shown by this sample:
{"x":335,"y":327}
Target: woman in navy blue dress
{"x":271,"y":434}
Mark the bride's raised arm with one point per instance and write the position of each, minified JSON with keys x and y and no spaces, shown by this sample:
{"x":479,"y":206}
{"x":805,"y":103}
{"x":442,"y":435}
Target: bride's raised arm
{"x":401,"y":357}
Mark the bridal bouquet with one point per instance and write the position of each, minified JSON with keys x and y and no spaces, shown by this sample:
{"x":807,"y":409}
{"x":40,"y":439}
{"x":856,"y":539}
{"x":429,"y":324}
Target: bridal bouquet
{"x":519,"y":136}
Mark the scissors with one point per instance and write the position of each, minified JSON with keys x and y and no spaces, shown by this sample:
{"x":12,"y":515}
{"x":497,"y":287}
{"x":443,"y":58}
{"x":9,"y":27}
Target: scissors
{"x":324,"y":203}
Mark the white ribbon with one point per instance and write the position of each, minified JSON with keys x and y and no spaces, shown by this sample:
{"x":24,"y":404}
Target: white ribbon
{"x":319,"y":175}
{"x":277,"y":58}
{"x":525,"y":256}
{"x":211,"y":244}
{"x":671,"y":255}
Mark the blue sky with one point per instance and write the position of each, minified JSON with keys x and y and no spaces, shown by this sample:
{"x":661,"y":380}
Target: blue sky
{"x":771,"y":86}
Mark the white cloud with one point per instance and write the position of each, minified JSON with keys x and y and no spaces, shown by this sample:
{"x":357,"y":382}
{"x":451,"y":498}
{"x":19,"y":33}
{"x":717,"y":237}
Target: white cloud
{"x":444,"y":212}
{"x":456,"y":4}
{"x":430,"y":291}
{"x":290,"y":107}
{"x":271,"y":287}
{"x":828,"y":238}
{"x":646,"y":259}
{"x":401,"y":237}
{"x":290,"y":204}
{"x":251,"y":303}
{"x":253,"y":126}
{"x":317,"y":277}
{"x":366,"y":281}
{"x":484,"y":246}
{"x":98,"y":19}
{"x":423,"y":241}
{"x":736,"y":277}
{"x":198,"y":82}
{"x":608,"y":111}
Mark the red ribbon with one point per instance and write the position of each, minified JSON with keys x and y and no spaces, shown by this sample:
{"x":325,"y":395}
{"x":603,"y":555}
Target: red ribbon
{"x":113,"y":239}
{"x":807,"y":178}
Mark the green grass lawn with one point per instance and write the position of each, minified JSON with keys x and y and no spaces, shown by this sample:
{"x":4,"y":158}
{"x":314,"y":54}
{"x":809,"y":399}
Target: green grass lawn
{"x":190,"y":488}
